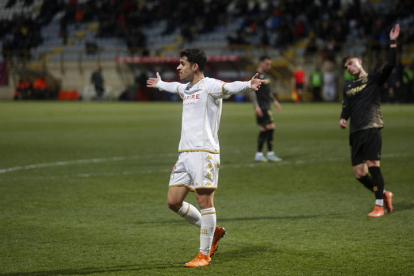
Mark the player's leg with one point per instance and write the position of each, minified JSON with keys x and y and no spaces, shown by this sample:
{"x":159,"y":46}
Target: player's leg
{"x":360,"y":148}
{"x":205,"y":184}
{"x":382,"y":197}
{"x":175,"y":201}
{"x":205,"y":198}
{"x":270,"y":127}
{"x":371,"y":183}
{"x":259,"y":157}
{"x":373,"y":157}
{"x":179,"y":186}
{"x":361,"y":174}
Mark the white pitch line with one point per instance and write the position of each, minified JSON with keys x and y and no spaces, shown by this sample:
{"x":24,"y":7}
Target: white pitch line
{"x":168,"y":170}
{"x":75,"y":162}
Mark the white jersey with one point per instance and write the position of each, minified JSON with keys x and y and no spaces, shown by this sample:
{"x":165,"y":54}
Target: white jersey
{"x":202,"y":105}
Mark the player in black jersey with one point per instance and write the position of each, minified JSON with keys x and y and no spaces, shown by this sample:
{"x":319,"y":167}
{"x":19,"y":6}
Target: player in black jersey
{"x":263,"y":112}
{"x":361,"y":104}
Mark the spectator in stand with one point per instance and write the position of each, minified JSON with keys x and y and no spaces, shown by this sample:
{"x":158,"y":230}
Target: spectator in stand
{"x":329,"y":85}
{"x":298,"y":81}
{"x":39,"y":89}
{"x":408,"y":82}
{"x":316,"y":81}
{"x":98,"y":82}
{"x":23,"y":90}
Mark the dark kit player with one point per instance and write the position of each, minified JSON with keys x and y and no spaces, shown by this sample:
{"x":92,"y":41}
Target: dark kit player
{"x":264,"y":113}
{"x":362,"y":105}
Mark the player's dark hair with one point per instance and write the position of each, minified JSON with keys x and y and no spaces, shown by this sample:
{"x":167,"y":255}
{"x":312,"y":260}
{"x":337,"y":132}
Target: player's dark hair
{"x":195,"y":56}
{"x":347,"y":58}
{"x":263,"y":58}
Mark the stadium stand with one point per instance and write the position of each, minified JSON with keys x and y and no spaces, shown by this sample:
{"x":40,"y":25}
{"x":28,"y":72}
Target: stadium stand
{"x":70,"y":37}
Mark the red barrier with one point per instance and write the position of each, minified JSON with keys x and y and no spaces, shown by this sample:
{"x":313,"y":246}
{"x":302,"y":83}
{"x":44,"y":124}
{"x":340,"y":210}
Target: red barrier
{"x":220,"y":58}
{"x":68,"y":95}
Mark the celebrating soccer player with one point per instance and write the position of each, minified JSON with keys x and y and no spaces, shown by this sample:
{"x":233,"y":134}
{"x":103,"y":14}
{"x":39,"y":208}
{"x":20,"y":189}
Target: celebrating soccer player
{"x":199,"y":160}
{"x":361,"y":104}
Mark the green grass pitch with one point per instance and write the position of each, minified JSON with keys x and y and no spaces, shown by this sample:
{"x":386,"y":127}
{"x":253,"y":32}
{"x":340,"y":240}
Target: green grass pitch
{"x":83,"y":192}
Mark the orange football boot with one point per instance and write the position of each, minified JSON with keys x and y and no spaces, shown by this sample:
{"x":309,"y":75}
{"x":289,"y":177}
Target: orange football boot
{"x":219,"y":232}
{"x":388,"y":201}
{"x":199,"y":261}
{"x":377,"y":212}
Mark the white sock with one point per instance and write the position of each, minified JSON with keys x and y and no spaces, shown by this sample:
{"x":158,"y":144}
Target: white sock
{"x":190,"y":213}
{"x":379,"y":202}
{"x":270,"y":153}
{"x":259,"y":154}
{"x":208,"y":225}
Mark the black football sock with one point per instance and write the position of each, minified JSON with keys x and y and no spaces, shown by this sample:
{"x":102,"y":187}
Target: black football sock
{"x":367,"y":181}
{"x":378,"y":182}
{"x":261,"y":140}
{"x":270,"y":139}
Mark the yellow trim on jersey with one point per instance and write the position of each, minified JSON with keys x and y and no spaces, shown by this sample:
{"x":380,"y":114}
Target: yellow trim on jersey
{"x":222,"y":88}
{"x":188,"y":210}
{"x":179,"y":94}
{"x":209,"y":213}
{"x":181,"y":185}
{"x":210,"y":151}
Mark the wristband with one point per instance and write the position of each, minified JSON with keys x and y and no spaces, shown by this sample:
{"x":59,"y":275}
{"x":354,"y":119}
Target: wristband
{"x":393,"y":41}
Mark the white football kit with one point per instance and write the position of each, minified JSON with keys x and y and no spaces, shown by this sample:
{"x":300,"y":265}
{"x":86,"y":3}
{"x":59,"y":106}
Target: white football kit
{"x":199,"y":161}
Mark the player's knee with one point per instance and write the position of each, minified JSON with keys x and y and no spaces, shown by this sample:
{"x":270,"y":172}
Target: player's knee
{"x":174,"y":205}
{"x":360,"y":173}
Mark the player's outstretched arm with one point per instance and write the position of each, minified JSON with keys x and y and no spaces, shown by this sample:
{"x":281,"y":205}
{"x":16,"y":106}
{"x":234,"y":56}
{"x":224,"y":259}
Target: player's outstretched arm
{"x":171,"y":87}
{"x":152,"y":82}
{"x":242,"y":86}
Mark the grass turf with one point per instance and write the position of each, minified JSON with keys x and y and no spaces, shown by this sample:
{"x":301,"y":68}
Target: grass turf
{"x":83,"y":192}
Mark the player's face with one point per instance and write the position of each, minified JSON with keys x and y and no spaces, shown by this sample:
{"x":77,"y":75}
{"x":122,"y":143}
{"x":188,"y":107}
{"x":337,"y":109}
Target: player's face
{"x":185,"y":70}
{"x":266,"y":65}
{"x":353,"y":66}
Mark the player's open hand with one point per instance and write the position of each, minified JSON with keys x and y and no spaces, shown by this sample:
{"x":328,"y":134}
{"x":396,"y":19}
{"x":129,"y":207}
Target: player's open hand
{"x":342,"y":123}
{"x":277,"y":106}
{"x":255,"y":82}
{"x":395,"y":32}
{"x":152,"y":82}
{"x":258,"y":112}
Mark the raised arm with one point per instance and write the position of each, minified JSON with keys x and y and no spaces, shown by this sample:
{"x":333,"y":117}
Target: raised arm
{"x":242,"y":86}
{"x":171,"y":87}
{"x":392,"y":55}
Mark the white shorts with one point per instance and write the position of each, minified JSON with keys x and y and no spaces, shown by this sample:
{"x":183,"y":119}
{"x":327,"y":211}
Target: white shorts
{"x":196,"y":170}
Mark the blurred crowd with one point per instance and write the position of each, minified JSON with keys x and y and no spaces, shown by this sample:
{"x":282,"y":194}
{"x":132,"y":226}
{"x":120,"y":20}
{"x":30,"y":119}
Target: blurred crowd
{"x":324,"y":25}
{"x":278,"y":23}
